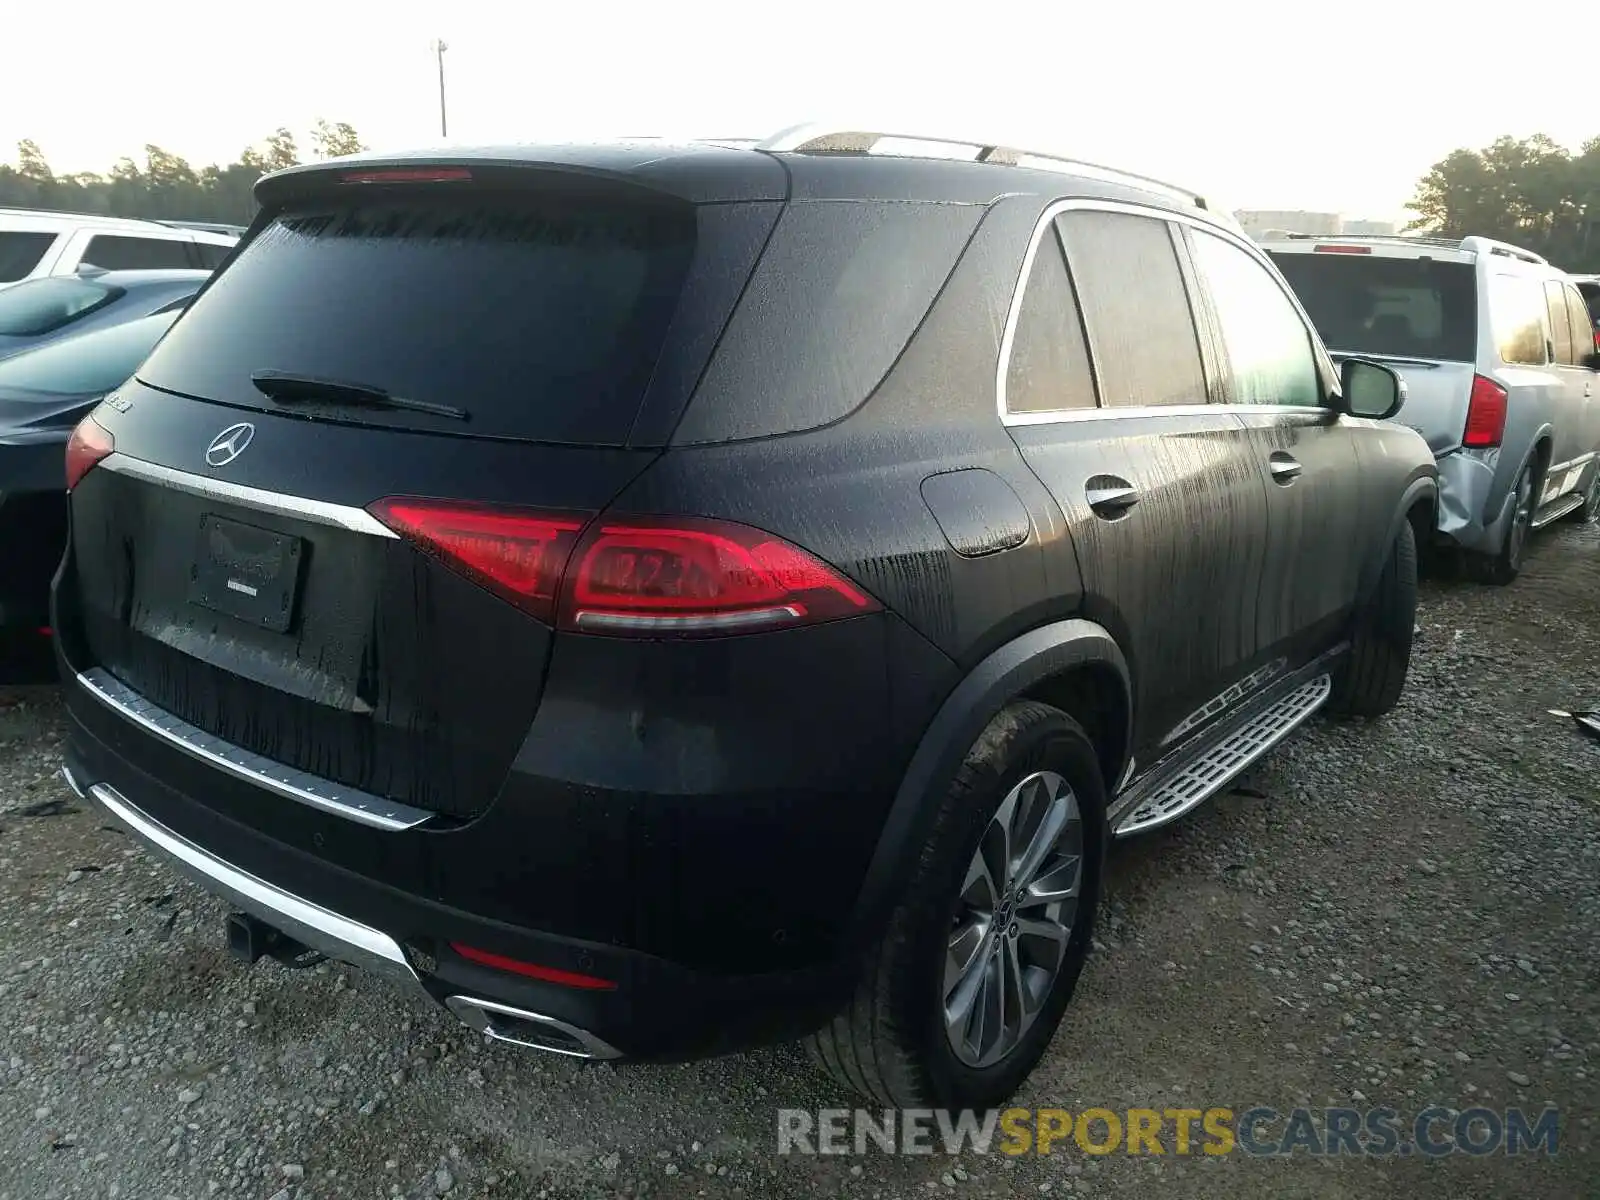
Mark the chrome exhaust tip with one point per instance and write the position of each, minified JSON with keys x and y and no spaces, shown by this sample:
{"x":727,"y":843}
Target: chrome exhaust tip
{"x":530,"y":1029}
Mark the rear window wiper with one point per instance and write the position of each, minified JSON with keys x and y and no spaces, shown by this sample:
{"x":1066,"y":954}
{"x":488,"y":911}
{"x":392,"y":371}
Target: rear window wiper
{"x":285,"y":387}
{"x":1398,"y":359}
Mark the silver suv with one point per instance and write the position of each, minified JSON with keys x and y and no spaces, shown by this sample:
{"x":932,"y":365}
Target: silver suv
{"x":1498,"y":353}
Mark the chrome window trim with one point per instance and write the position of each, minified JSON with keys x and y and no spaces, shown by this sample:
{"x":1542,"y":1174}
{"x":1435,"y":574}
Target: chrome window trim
{"x":289,"y":782}
{"x":1014,"y":312}
{"x":320,"y":512}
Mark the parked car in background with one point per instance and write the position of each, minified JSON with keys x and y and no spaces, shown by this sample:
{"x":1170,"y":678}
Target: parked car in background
{"x":660,"y":599}
{"x":1497,"y":350}
{"x":62,"y":306}
{"x":36,"y":243}
{"x":44,"y":392}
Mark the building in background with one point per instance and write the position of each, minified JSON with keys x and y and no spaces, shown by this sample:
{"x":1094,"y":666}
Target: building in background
{"x":1259,"y":223}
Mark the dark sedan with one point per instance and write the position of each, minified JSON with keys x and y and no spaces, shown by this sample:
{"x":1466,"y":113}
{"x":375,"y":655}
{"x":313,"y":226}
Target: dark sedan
{"x":49,"y":309}
{"x":44,"y":392}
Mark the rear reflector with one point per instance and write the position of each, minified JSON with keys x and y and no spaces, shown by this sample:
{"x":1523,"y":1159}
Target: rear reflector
{"x":499,"y":962}
{"x":90,"y":442}
{"x":1342,"y":249}
{"x":1486,"y":414}
{"x":409,"y":175}
{"x":518,"y":555}
{"x":639,"y":576}
{"x":683,"y":576}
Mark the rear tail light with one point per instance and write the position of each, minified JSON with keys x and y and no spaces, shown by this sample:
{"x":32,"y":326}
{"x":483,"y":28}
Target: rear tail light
{"x":518,"y":555}
{"x":90,"y":442}
{"x":640,"y":576}
{"x":1486,"y":414}
{"x":572,"y":979}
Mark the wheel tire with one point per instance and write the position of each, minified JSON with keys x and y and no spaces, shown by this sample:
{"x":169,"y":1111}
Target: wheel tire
{"x":1369,"y":681}
{"x":890,"y":1044}
{"x":1505,"y":565}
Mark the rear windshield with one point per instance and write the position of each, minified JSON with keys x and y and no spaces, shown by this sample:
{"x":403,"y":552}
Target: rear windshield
{"x":540,"y":314}
{"x":20,"y":252}
{"x":1591,"y":297}
{"x":1406,"y":307}
{"x":42,"y":306}
{"x":89,"y":363}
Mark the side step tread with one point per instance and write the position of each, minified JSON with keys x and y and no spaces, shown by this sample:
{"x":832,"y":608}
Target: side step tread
{"x":1205,"y":775}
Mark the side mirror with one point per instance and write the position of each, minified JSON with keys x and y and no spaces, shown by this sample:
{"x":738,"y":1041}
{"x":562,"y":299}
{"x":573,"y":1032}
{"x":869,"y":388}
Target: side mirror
{"x":1371,"y":389}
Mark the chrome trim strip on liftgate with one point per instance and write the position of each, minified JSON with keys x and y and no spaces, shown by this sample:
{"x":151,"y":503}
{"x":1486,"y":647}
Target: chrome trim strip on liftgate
{"x":320,"y":512}
{"x":288,"y":782}
{"x":311,"y":924}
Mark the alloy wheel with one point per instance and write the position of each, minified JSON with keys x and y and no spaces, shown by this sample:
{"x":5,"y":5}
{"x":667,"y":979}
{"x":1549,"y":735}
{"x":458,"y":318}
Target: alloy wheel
{"x":1014,"y":919}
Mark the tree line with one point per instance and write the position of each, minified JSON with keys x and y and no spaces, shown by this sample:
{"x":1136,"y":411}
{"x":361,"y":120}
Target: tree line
{"x":165,"y":186}
{"x":1532,"y":192}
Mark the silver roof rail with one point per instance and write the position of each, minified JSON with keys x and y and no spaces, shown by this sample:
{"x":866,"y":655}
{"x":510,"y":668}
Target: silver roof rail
{"x":825,"y":139}
{"x":1482,"y":245}
{"x":1403,"y":238}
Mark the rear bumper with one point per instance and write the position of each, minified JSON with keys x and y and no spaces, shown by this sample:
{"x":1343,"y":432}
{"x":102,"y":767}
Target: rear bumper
{"x":656,"y":1009}
{"x":1474,"y":512}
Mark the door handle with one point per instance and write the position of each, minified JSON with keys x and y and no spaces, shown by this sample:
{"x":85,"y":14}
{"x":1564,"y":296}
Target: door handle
{"x":1109,"y":496}
{"x":1284,"y":468}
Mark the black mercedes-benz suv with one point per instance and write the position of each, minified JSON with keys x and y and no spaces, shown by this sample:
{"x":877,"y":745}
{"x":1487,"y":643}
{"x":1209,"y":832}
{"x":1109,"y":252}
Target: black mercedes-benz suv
{"x":659,"y":599}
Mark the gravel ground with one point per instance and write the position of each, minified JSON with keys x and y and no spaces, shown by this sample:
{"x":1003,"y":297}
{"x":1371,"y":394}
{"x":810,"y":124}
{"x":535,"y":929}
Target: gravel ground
{"x":1399,"y":914}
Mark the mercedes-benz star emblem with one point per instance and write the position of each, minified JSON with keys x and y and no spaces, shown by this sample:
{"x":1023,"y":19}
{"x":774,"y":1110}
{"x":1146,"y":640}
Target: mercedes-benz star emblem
{"x":229,"y":444}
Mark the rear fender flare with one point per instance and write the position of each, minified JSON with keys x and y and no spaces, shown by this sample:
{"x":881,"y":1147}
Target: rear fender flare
{"x":1004,"y":675}
{"x":1424,"y":487}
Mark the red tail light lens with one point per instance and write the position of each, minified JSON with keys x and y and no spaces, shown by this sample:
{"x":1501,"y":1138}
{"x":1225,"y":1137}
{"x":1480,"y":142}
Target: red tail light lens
{"x":641,"y":576}
{"x":684,"y":576}
{"x":500,"y":962}
{"x":90,"y":442}
{"x":515,"y":554}
{"x":1486,"y":414}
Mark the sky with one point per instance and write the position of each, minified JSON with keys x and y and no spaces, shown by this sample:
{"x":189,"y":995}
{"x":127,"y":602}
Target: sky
{"x":1261,"y":106}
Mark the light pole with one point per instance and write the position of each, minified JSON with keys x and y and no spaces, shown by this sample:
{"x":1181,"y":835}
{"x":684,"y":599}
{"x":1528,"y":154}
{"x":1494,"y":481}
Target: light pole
{"x":439,"y":47}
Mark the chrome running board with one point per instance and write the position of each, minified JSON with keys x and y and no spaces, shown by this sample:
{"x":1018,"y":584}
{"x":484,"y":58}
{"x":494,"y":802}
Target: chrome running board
{"x":1210,"y":771}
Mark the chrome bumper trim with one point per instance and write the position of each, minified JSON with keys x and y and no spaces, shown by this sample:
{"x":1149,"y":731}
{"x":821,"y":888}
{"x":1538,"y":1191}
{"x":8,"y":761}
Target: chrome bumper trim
{"x":320,"y":928}
{"x":501,"y":1022}
{"x":288,"y":782}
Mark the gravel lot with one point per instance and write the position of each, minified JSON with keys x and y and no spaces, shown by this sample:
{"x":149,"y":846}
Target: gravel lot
{"x":1406,"y":913}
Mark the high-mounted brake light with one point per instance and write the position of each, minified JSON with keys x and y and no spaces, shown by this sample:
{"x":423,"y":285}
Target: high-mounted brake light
{"x":409,"y":175}
{"x":572,"y":979}
{"x":1486,"y":414}
{"x":89,"y":443}
{"x":516,"y":554}
{"x":629,"y":576}
{"x":1325,"y":249}
{"x":684,"y":576}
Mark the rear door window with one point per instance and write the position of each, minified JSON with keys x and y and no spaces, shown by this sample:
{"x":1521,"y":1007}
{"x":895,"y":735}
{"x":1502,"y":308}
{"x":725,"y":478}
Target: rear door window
{"x":1517,"y":314}
{"x":540,"y":314}
{"x":1555,"y":300}
{"x":42,"y":306}
{"x":1135,"y":308}
{"x":21,"y":251}
{"x":1375,"y":304}
{"x":209,"y":256}
{"x":112,"y":252}
{"x":1585,"y":329}
{"x":1049,"y":366}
